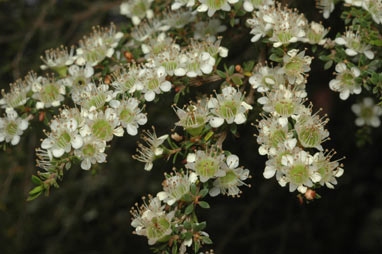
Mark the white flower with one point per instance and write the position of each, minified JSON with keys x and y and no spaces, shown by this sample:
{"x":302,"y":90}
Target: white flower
{"x":194,"y":118}
{"x":152,"y":221}
{"x":357,"y":3}
{"x":64,"y":135}
{"x":228,"y":106}
{"x":367,"y":113}
{"x":12,"y":127}
{"x":266,"y":78}
{"x":48,"y":93}
{"x":129,"y":114}
{"x":154,"y":82}
{"x":152,"y":150}
{"x":17,"y":96}
{"x":354,"y":45}
{"x":233,"y":178}
{"x":137,"y":10}
{"x":328,"y":170}
{"x":250,"y":5}
{"x":179,"y":3}
{"x":176,"y":186}
{"x":345,"y":82}
{"x":295,"y":65}
{"x":315,"y":34}
{"x":92,"y":97}
{"x":326,"y":6}
{"x":374,"y":7}
{"x":207,"y":164}
{"x":213,"y":6}
{"x":207,"y":31}
{"x":58,"y":59}
{"x":91,"y":152}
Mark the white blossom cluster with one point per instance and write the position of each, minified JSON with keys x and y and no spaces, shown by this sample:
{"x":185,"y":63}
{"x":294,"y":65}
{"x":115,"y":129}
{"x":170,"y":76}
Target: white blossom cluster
{"x":284,"y":26}
{"x":290,"y":130}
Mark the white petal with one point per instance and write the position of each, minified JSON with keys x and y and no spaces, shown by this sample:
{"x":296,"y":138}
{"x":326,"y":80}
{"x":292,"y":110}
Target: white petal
{"x":344,"y":94}
{"x":206,"y":68}
{"x":290,"y":143}
{"x":351,"y":52}
{"x":132,"y":130}
{"x":202,"y":8}
{"x":149,"y":96}
{"x":165,"y":86}
{"x":302,"y":189}
{"x":162,"y":195}
{"x":15,"y":140}
{"x":118,"y":131}
{"x":240,"y":118}
{"x":214,"y":191}
{"x":233,"y":161}
{"x":148,"y":166}
{"x":180,"y":72}
{"x":248,"y":6}
{"x":23,"y":125}
{"x":369,"y":54}
{"x":316,"y":177}
{"x":340,"y":41}
{"x":262,"y":150}
{"x":216,"y":122}
{"x":340,"y":172}
{"x":85,"y":164}
{"x":193,"y":177}
{"x":191,"y":157}
{"x":58,"y":152}
{"x":77,"y":142}
{"x":283,"y":121}
{"x":269,"y":172}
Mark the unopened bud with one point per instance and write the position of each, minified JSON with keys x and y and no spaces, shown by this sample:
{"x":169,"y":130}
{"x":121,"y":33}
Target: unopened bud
{"x":310,"y":194}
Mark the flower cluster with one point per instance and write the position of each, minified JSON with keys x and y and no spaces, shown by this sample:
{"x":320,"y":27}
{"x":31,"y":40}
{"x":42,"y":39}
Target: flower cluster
{"x":284,"y":26}
{"x":354,"y":45}
{"x":291,"y":130}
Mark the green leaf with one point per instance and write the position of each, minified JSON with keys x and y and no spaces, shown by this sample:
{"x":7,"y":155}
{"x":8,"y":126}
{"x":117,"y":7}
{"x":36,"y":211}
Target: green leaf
{"x":189,"y":209}
{"x":276,"y":58}
{"x":174,"y":248}
{"x":199,"y":226}
{"x":328,"y":64}
{"x":221,"y":74}
{"x":32,"y":197}
{"x":187,"y":197}
{"x":237,"y":80}
{"x":36,"y":180}
{"x":36,"y":190}
{"x":188,"y":235}
{"x":203,"y":192}
{"x":187,"y":225}
{"x":206,"y":240}
{"x":204,"y":204}
{"x":193,"y":189}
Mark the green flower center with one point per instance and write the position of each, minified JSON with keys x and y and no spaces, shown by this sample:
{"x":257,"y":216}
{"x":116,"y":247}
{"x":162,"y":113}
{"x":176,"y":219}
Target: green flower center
{"x":11,"y":128}
{"x":126,"y":115}
{"x":294,"y":66}
{"x":139,"y":9}
{"x":97,"y":101}
{"x":63,"y":140}
{"x":153,"y":84}
{"x":80,"y":81}
{"x":367,"y":112}
{"x":228,"y":109}
{"x":298,"y":174}
{"x":88,"y":150}
{"x":207,"y":167}
{"x":158,"y":228}
{"x":215,"y":4}
{"x":229,"y":179}
{"x":278,"y":137}
{"x":102,"y":129}
{"x":284,"y":37}
{"x":309,"y":137}
{"x":49,"y":93}
{"x":348,"y":79}
{"x":285,"y":108}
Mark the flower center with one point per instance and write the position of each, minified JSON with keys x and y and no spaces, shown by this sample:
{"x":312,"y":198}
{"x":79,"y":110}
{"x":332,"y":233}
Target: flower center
{"x":158,"y":228}
{"x":229,"y":179}
{"x":278,"y":137}
{"x":126,"y":115}
{"x":228,"y":109}
{"x":63,"y":140}
{"x":49,"y":93}
{"x":284,"y":108}
{"x":309,"y":137}
{"x":207,"y":167}
{"x":102,"y":129}
{"x":299,"y":173}
{"x":88,"y":150}
{"x":11,"y":128}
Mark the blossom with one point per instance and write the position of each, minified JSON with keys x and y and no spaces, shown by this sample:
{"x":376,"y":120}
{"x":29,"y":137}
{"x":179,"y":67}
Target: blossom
{"x":137,"y":10}
{"x":234,"y":177}
{"x":193,"y":118}
{"x":207,"y":31}
{"x":374,"y":7}
{"x":345,"y":82}
{"x":12,"y":127}
{"x":298,"y":171}
{"x":127,"y":80}
{"x":91,"y":152}
{"x":328,"y":170}
{"x":154,"y":82}
{"x":206,"y":164}
{"x":250,"y":5}
{"x":295,"y":65}
{"x":315,"y":34}
{"x":63,"y":136}
{"x":367,"y":113}
{"x":152,"y":221}
{"x":129,"y":114}
{"x":152,"y":150}
{"x":176,"y":186}
{"x":310,"y":130}
{"x":179,"y":3}
{"x":48,"y":92}
{"x":58,"y":59}
{"x":228,"y":106}
{"x":17,"y":96}
{"x":266,"y":78}
{"x":94,"y":97}
{"x":354,"y":44}
{"x":213,"y":6}
{"x":326,"y":6}
{"x":98,"y":45}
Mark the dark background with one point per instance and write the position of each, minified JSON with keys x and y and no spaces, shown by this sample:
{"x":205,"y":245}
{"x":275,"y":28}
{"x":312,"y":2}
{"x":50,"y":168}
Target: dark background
{"x":89,"y":213}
